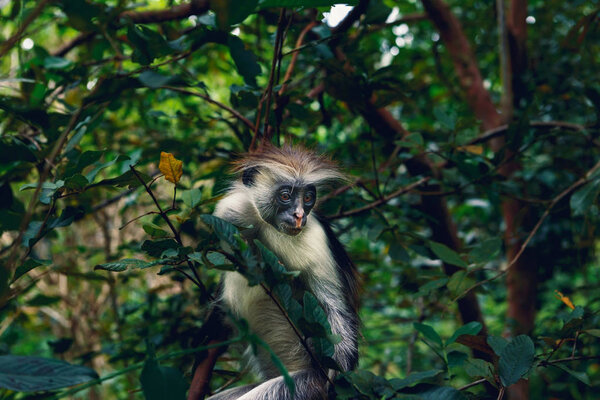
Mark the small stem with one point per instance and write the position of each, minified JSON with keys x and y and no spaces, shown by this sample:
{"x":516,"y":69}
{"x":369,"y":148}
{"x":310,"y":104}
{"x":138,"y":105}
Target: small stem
{"x":138,"y":217}
{"x":501,"y":393}
{"x":470,"y":385}
{"x":174,"y":196}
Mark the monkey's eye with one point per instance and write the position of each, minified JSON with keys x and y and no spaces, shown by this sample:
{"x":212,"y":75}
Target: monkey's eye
{"x":284,"y":196}
{"x":309,"y":198}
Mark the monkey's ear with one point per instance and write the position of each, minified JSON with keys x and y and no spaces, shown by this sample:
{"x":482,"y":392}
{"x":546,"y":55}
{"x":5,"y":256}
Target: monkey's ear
{"x":248,"y":175}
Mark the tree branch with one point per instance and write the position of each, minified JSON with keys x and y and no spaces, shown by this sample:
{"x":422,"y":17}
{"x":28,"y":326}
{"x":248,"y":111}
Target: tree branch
{"x":233,"y":112}
{"x":464,"y":61}
{"x":381,"y":201}
{"x":580,"y":182}
{"x":177,"y":12}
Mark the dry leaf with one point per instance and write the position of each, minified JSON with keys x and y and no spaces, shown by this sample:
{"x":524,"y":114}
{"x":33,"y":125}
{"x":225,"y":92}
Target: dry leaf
{"x":564,"y":299}
{"x":474,"y":149}
{"x":171,"y":167}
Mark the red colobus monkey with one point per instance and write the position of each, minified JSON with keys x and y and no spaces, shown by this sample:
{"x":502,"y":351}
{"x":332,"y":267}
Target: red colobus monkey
{"x":276,"y":193}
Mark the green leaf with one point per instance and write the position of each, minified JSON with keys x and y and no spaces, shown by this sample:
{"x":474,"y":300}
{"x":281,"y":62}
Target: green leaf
{"x":497,"y":343}
{"x":153,"y":79}
{"x":476,"y":367}
{"x":446,"y":254}
{"x":99,"y":166}
{"x":192,"y":197}
{"x":472,"y":328}
{"x":448,"y":121}
{"x":232,"y":12}
{"x":515,"y":359}
{"x":398,"y":253}
{"x":593,"y":332}
{"x":582,"y":199}
{"x":456,"y":358}
{"x":128,"y":179}
{"x":52,"y":62}
{"x":244,"y":59}
{"x":156,"y":248}
{"x":34,"y":374}
{"x":303,"y":3}
{"x":76,"y":182}
{"x":431,"y":286}
{"x":127,"y":263}
{"x":41,"y":300}
{"x":147,"y":44}
{"x":429,"y":333}
{"x":162,"y":383}
{"x":197,"y":257}
{"x":28,"y":265}
{"x":12,"y":149}
{"x":459,"y":282}
{"x":223,"y":229}
{"x":441,"y":393}
{"x":154,"y":230}
{"x":413,"y":140}
{"x":582,"y":376}
{"x":414,"y":378}
{"x":216,"y":258}
{"x":486,"y":250}
{"x":316,"y":318}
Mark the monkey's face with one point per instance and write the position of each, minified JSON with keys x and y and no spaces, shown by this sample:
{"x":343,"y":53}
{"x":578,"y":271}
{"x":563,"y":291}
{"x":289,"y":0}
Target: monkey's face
{"x":291,"y":206}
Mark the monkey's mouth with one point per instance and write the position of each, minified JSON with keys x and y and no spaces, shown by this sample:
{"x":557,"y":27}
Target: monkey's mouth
{"x":290,"y":230}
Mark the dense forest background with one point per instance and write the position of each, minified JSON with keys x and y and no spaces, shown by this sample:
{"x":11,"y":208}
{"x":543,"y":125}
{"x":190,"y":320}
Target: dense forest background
{"x":469,"y":130}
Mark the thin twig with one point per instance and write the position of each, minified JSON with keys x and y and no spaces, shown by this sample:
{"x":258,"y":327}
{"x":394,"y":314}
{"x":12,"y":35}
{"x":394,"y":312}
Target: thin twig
{"x":381,"y":201}
{"x":292,"y":65}
{"x":233,"y":112}
{"x":269,"y":91}
{"x":470,"y":385}
{"x":554,"y":201}
{"x":568,"y":359}
{"x":499,"y":131}
{"x":138,"y":217}
{"x":501,"y":393}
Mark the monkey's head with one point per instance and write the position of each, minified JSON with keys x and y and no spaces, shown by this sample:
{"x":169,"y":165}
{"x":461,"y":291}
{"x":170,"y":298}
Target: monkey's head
{"x":283,"y":184}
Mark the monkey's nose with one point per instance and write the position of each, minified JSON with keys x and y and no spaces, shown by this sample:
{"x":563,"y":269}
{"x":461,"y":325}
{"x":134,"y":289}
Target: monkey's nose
{"x":298,"y":216}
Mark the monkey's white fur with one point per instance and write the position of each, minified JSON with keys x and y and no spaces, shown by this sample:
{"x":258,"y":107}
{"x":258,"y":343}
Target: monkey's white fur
{"x":308,"y":252}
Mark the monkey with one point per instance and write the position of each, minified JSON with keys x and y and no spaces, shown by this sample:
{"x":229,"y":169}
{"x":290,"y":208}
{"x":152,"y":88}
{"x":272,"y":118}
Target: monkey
{"x":275,"y":195}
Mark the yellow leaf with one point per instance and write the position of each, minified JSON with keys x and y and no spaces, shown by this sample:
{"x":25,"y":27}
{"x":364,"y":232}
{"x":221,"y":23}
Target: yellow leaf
{"x":171,"y":167}
{"x":564,"y":299}
{"x":475,"y":149}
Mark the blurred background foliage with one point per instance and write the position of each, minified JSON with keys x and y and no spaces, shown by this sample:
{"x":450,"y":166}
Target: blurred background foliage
{"x":469,"y":130}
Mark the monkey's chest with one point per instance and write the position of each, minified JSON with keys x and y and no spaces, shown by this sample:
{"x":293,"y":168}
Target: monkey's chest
{"x":267,"y":321}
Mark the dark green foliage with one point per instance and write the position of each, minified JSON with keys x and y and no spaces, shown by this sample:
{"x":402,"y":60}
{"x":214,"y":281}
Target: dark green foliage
{"x":34,"y":374}
{"x":91,"y":268}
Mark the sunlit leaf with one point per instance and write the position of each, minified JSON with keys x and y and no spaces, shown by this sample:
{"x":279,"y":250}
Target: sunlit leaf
{"x":564,"y":299}
{"x":171,"y":167}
